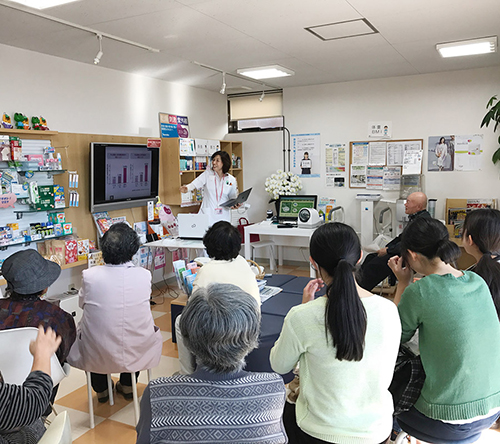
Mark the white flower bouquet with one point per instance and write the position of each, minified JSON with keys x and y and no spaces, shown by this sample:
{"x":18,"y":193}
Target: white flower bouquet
{"x":282,"y":183}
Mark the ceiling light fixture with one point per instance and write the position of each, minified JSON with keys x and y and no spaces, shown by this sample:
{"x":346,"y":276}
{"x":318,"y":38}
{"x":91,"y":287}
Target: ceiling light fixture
{"x":266,"y":72}
{"x":468,"y":47}
{"x":97,"y":58}
{"x":237,"y":76}
{"x":43,"y":4}
{"x":223,"y":87}
{"x":261,"y":98}
{"x":75,"y":26}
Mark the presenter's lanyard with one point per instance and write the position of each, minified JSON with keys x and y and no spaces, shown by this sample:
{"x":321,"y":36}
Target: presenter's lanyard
{"x":218,"y":210}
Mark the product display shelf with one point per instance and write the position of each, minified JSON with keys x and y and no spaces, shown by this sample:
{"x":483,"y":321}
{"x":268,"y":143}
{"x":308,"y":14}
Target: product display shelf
{"x":25,"y":132}
{"x":30,"y":166}
{"x":32,"y":210}
{"x":27,"y":242}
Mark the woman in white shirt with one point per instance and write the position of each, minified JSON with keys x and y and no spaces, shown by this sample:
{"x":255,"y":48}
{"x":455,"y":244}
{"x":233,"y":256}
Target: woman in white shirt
{"x":441,"y":153}
{"x":218,"y":187}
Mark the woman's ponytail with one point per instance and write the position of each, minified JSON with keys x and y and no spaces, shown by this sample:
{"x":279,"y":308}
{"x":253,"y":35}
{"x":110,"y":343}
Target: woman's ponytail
{"x":483,"y":227}
{"x":336,"y":249}
{"x":448,"y":251}
{"x":488,"y":268}
{"x":345,"y":315}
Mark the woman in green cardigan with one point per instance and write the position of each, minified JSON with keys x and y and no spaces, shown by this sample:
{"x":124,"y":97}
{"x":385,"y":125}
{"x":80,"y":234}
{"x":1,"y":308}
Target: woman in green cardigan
{"x":458,"y":332}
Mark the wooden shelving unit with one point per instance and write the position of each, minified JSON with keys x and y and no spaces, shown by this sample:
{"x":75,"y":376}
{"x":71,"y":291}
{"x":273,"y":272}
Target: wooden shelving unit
{"x":24,"y":132}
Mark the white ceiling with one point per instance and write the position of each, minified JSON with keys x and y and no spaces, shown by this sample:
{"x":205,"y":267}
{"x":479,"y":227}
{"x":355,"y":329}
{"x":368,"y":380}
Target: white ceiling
{"x":232,"y":34}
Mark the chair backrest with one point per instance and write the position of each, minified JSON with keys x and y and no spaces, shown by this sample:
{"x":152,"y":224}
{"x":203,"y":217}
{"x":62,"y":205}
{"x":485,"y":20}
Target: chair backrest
{"x":16,"y":359}
{"x":59,"y":431}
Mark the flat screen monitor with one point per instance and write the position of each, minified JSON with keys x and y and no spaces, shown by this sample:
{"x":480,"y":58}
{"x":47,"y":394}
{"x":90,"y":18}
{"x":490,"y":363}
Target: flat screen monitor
{"x":122,"y":175}
{"x":289,"y":206}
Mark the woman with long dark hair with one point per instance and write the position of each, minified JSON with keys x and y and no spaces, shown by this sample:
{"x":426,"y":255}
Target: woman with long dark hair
{"x":346,"y":344}
{"x":481,"y":239}
{"x":458,"y":327}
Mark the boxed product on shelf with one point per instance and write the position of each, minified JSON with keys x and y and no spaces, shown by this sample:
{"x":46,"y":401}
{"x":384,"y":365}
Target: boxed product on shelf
{"x":5,"y":234}
{"x":57,"y":217}
{"x":16,"y":151}
{"x":35,"y":158}
{"x":67,"y":228}
{"x":83,"y":249}
{"x":21,"y":190}
{"x":66,"y":250}
{"x":58,"y":230}
{"x":45,"y":197}
{"x":4,"y":148}
{"x":59,"y":201}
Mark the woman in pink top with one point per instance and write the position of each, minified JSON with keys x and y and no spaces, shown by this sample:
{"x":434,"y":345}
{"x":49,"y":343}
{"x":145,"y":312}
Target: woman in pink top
{"x":117,"y":331}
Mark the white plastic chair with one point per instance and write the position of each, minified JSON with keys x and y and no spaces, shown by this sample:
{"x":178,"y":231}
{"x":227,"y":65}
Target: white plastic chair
{"x":59,"y":431}
{"x":16,"y":359}
{"x":111,"y":397}
{"x":265,"y":244}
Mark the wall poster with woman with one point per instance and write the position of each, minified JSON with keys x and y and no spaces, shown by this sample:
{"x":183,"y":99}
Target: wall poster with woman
{"x":441,"y":153}
{"x":306,"y":155}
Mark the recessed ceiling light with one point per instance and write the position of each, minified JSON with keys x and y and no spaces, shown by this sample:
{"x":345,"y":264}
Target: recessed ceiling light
{"x":43,"y":4}
{"x":468,"y":47}
{"x":266,"y":72}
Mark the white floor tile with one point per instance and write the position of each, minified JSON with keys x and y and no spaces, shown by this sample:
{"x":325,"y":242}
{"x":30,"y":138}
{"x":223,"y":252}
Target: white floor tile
{"x":167,"y":367}
{"x":166,"y":335}
{"x":126,"y":414}
{"x":157,"y":314}
{"x":80,"y":421}
{"x":75,"y":380}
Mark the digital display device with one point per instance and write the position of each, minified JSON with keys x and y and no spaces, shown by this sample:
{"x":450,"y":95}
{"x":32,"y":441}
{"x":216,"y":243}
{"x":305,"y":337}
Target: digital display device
{"x":289,"y":206}
{"x":122,"y":175}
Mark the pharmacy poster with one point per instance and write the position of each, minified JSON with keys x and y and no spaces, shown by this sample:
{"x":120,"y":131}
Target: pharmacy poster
{"x":335,"y":165}
{"x":172,"y":125}
{"x":306,"y":155}
{"x":468,"y":151}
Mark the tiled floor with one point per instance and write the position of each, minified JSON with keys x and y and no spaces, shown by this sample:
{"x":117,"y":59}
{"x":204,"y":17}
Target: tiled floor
{"x":115,"y":424}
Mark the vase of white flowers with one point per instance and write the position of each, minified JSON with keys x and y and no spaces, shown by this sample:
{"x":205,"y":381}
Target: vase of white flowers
{"x":282,"y":183}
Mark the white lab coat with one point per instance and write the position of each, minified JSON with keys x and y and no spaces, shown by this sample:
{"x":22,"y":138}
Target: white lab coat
{"x":216,"y":191}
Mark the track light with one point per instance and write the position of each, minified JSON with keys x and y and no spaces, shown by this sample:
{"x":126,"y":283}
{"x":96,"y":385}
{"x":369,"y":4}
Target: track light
{"x":97,"y":58}
{"x":261,"y":98}
{"x":223,"y":87}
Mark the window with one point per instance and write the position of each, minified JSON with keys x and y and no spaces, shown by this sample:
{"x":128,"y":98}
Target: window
{"x":254,"y":112}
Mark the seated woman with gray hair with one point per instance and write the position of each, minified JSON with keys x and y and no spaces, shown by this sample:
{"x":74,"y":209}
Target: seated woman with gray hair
{"x":219,"y":402}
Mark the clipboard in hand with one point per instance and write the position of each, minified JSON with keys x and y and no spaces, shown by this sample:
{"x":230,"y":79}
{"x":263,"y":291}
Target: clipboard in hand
{"x":242,"y":198}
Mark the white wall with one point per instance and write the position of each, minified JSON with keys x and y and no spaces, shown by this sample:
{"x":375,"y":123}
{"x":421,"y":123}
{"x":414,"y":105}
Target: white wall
{"x":418,"y":106}
{"x":76,"y":97}
{"x":83,"y":98}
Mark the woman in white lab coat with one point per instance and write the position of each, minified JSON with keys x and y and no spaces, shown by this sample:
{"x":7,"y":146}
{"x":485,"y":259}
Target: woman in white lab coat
{"x":218,"y":187}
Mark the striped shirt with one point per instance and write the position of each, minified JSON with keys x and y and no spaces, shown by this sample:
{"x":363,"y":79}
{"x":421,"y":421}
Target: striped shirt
{"x":21,"y":408}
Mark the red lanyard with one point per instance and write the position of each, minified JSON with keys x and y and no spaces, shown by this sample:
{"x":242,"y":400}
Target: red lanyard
{"x":221,"y":190}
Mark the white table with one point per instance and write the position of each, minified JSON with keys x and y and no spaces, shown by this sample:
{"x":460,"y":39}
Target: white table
{"x":292,"y":237}
{"x":171,"y":242}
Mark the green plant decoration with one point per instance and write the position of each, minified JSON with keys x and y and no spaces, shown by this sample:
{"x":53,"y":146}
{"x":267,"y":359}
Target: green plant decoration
{"x":493,"y":114}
